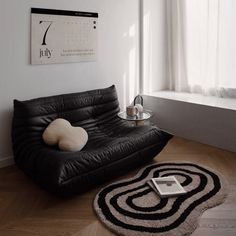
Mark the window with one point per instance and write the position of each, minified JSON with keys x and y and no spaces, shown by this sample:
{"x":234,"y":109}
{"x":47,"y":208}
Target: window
{"x":200,"y":49}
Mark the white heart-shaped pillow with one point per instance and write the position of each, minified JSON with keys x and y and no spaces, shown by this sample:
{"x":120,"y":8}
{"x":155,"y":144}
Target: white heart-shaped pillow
{"x":68,"y":138}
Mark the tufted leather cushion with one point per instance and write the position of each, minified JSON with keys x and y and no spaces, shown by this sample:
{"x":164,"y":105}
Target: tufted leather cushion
{"x":60,"y":132}
{"x":113,"y":147}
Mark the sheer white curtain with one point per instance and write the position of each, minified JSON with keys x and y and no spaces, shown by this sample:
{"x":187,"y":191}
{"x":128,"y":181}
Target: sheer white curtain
{"x":201,"y":37}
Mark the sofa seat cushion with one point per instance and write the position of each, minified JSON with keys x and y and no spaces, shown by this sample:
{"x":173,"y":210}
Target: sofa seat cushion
{"x":102,"y":149}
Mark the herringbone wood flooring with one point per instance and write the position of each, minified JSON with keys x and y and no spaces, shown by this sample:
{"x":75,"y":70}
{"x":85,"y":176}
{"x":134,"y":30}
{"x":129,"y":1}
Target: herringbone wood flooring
{"x":25,"y":209}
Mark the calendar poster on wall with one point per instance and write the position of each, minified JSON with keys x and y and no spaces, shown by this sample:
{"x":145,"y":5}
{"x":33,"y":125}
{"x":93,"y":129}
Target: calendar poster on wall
{"x":59,"y":36}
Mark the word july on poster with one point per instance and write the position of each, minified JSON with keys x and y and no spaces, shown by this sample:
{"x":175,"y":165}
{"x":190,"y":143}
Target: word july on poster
{"x":59,"y":36}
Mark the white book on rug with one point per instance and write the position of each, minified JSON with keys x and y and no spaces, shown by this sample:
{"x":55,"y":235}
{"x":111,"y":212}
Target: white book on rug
{"x":166,"y":186}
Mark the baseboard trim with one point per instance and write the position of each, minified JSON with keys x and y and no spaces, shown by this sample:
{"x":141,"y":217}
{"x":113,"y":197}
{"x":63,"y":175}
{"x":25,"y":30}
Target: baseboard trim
{"x":7,"y":161}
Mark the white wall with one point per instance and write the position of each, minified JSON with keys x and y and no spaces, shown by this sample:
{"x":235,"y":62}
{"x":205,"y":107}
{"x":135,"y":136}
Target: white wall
{"x":117,"y":56}
{"x":202,"y":123}
{"x":154,"y":45}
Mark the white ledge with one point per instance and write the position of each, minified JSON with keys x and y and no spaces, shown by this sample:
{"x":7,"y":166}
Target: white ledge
{"x":226,"y":103}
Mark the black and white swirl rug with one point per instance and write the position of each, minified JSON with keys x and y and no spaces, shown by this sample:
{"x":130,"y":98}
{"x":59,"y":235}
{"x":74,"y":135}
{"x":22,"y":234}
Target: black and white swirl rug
{"x":131,"y":207}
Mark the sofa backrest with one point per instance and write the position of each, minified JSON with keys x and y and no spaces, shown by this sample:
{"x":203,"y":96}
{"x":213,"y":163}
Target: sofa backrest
{"x":86,"y":109}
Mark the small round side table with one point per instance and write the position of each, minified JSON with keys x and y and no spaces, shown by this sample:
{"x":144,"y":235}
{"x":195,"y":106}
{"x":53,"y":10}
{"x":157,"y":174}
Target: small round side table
{"x":138,"y":119}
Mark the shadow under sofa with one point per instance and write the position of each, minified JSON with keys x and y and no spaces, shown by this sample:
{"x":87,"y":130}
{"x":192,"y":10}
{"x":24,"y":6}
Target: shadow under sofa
{"x":113,"y":146}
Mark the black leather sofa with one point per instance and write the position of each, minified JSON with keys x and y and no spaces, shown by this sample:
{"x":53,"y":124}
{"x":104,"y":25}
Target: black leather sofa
{"x":113,"y":147}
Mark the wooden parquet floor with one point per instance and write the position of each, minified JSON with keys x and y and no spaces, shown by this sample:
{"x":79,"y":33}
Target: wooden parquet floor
{"x":27,"y":210}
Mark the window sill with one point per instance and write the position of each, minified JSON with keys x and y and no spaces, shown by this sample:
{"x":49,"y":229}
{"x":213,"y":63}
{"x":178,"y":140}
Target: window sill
{"x":225,"y":103}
